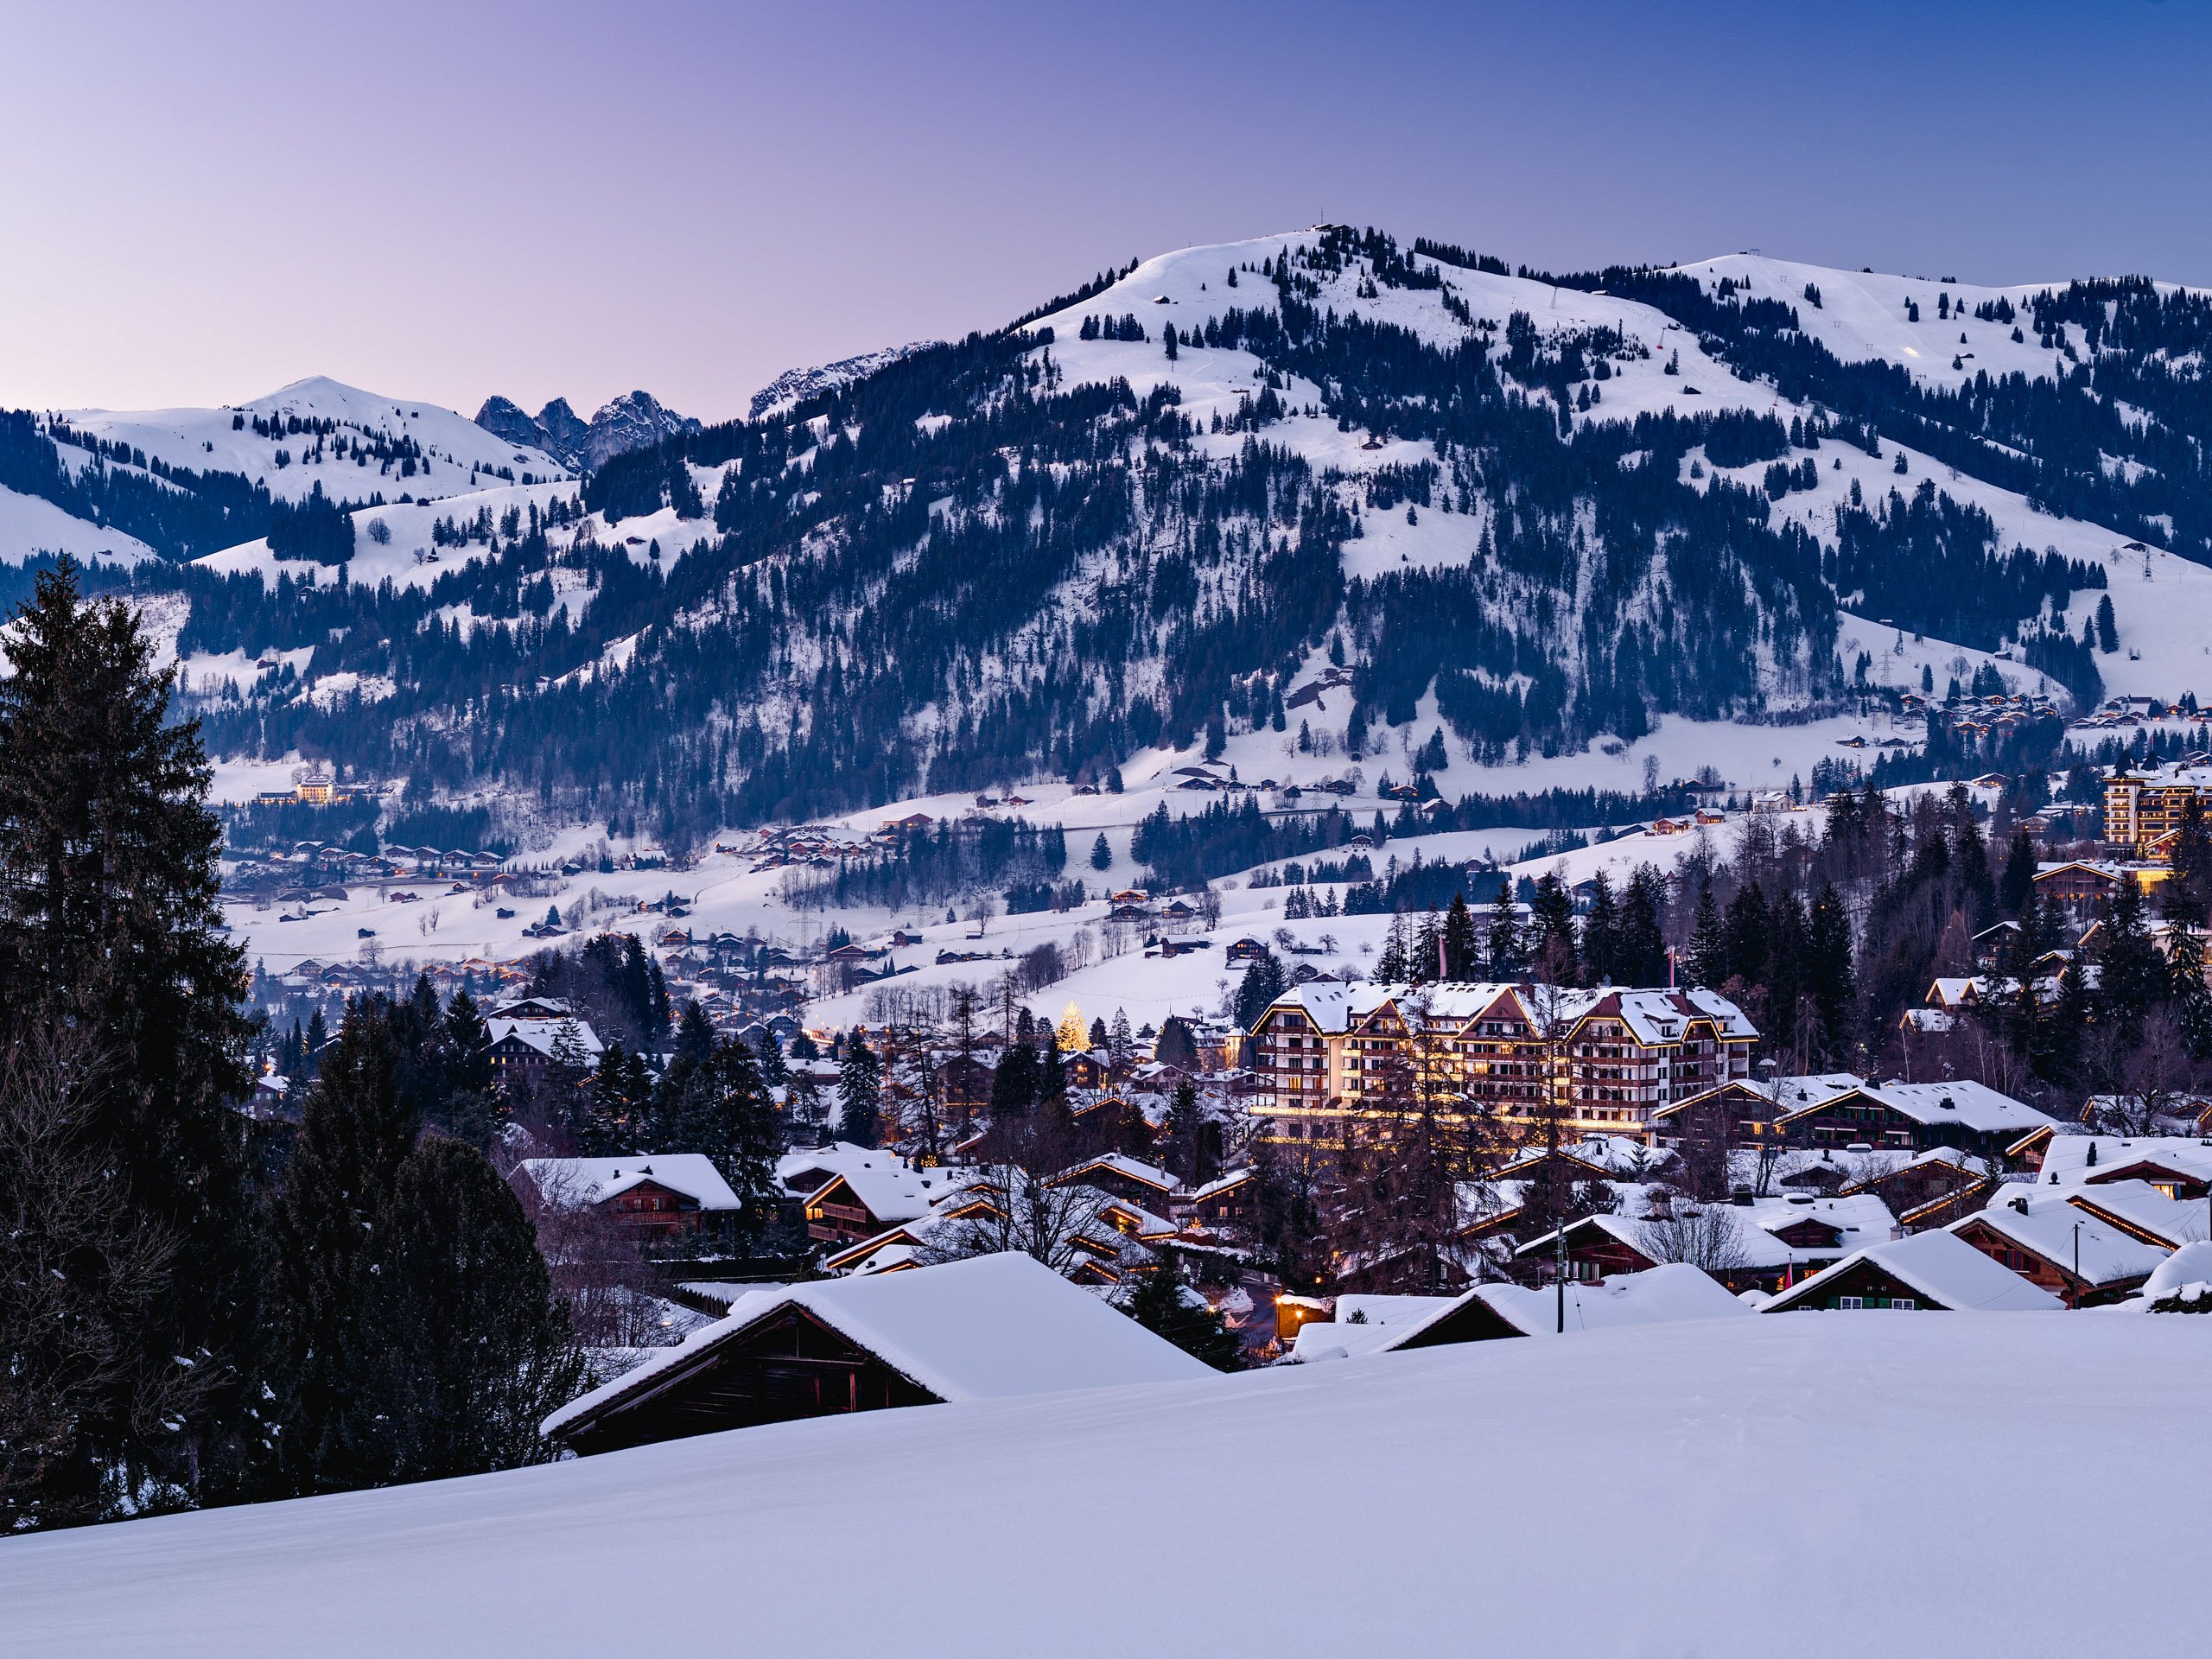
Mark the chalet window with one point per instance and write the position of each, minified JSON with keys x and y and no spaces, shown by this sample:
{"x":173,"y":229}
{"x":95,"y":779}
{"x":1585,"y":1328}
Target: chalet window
{"x":1851,"y":1301}
{"x":1904,"y":1302}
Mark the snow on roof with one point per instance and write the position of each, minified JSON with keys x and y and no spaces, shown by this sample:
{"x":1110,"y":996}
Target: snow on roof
{"x":1221,"y":1183}
{"x":1684,"y":1422}
{"x":892,"y":1191}
{"x":985,"y":1328}
{"x":1121,"y":1163}
{"x":1941,"y":1266}
{"x":1960,"y":1100}
{"x":542,"y":1034}
{"x":1675,"y":1291}
{"x":594,"y":1180}
{"x":832,"y":1159}
{"x":2070,"y":1157}
{"x":2053,"y":1228}
{"x":1653,"y":1016}
{"x":2139,"y":1204}
{"x":1859,"y":1219}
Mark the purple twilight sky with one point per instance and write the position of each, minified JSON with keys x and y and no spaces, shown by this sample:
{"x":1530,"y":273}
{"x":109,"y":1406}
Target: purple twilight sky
{"x":203,"y":202}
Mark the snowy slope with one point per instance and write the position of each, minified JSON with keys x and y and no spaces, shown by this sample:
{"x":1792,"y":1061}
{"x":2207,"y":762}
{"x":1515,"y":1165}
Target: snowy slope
{"x":1759,"y":1485}
{"x":1862,"y":316}
{"x":204,"y":439}
{"x":30,"y":525}
{"x":1865,"y":318}
{"x":409,"y":558}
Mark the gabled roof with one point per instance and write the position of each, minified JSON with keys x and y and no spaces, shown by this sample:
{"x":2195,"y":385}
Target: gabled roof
{"x":1119,"y":1163}
{"x":594,"y":1180}
{"x":1656,"y":1016}
{"x":819,"y":1163}
{"x":1962,"y":1101}
{"x":2051,"y":1228}
{"x":542,"y":1034}
{"x":1940,"y":1265}
{"x":2140,"y":1210}
{"x":987,"y":1328}
{"x":891,"y":1192}
{"x":1658,"y":1295}
{"x":1857,"y":1220}
{"x":2069,"y":1157}
{"x":1221,"y":1184}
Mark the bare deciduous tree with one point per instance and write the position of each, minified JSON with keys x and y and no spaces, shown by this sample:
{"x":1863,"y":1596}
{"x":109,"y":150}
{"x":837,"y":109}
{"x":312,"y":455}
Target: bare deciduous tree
{"x":1705,"y":1236}
{"x":1018,"y":1209}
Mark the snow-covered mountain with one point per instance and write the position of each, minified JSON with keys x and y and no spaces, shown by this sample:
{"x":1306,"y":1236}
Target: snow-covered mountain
{"x":318,"y":432}
{"x":180,"y":483}
{"x":630,"y":422}
{"x":1314,"y":503}
{"x":795,"y":385}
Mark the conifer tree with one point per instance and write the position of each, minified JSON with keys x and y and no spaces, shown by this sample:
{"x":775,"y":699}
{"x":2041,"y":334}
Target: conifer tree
{"x":1501,"y":940}
{"x":467,"y":1350}
{"x":109,"y":927}
{"x":1601,"y":934}
{"x":860,"y":1085}
{"x":472,"y":1109}
{"x":1640,"y":948}
{"x":1828,"y":970}
{"x":1747,"y":934}
{"x":1158,"y":1300}
{"x":1460,"y":949}
{"x":355,"y":1131}
{"x":1550,"y":947}
{"x":1264,"y":981}
{"x":1707,"y":961}
{"x":2016,"y":888}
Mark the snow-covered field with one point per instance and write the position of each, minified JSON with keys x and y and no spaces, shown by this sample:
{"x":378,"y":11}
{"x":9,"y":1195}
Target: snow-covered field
{"x":1801,"y":1484}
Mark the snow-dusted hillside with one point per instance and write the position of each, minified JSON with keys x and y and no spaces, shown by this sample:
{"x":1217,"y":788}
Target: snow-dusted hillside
{"x":1454,"y":1493}
{"x":455,"y":452}
{"x":406,"y":553}
{"x":31,"y":525}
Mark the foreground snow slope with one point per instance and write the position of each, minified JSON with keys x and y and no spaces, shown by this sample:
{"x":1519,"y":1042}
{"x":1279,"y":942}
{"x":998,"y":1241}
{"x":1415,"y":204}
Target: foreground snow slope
{"x":1813,"y":1485}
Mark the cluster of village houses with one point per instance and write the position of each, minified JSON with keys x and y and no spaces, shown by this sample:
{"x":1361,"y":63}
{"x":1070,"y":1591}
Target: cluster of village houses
{"x":1846,"y":1195}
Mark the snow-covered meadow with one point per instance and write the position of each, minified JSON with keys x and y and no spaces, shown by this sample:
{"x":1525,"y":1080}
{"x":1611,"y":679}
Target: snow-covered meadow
{"x":1829,"y":1485}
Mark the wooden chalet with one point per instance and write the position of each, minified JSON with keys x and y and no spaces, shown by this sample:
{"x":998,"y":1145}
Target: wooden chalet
{"x":1932,"y":1191}
{"x":2065,"y":1250}
{"x":1120,"y":1176}
{"x":1936,"y":1271}
{"x":648,"y":1193}
{"x":857,"y":1204}
{"x":994,"y":1326}
{"x":1229,"y":1200}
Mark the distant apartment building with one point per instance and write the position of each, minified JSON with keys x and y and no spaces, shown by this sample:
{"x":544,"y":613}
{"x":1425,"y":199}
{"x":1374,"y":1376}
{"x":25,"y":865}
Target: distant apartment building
{"x":1603,"y":1060}
{"x":2143,"y":805}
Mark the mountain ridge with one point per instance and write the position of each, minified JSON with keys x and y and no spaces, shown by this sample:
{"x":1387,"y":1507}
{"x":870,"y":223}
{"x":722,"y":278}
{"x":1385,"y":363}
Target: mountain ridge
{"x":1528,"y":514}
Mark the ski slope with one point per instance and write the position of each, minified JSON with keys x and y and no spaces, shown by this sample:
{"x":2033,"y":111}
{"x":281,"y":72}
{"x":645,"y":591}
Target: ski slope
{"x":1831,"y":1486}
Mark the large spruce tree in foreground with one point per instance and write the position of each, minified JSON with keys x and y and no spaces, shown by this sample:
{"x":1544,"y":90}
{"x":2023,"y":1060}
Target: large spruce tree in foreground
{"x":413,"y":1332}
{"x":110,"y":934}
